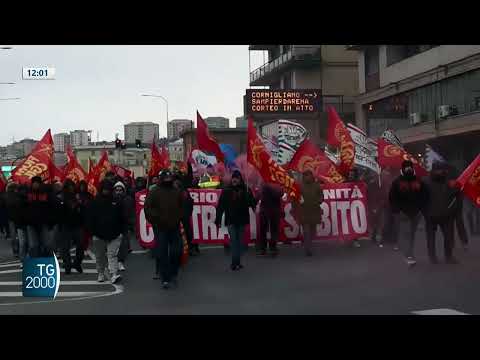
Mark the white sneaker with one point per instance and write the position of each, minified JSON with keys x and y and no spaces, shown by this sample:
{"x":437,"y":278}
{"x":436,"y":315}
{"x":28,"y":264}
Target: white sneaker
{"x":396,"y":248}
{"x":356,"y":244}
{"x":116,"y":278}
{"x":411,"y":261}
{"x":101,"y":278}
{"x":121,"y":267}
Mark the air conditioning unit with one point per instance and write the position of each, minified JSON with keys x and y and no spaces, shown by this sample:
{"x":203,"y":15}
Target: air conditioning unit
{"x":444,"y":111}
{"x":415,"y":118}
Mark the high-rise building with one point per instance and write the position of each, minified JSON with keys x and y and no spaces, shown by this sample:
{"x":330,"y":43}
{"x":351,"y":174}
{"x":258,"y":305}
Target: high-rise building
{"x":427,"y":94}
{"x":217,"y":122}
{"x":241,"y":122}
{"x":146,"y":132}
{"x":177,"y":126}
{"x":331,"y":70}
{"x":79,"y":138}
{"x":61,"y":141}
{"x":21,"y":148}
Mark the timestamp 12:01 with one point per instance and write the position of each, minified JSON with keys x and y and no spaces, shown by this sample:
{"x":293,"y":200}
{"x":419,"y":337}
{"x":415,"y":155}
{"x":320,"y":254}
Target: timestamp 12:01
{"x":38,"y":72}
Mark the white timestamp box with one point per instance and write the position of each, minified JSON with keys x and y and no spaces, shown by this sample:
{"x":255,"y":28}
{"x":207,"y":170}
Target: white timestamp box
{"x":38,"y":73}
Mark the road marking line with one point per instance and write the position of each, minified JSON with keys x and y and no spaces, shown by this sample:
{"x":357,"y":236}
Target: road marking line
{"x":80,"y":282}
{"x":439,"y":312}
{"x":11,"y":262}
{"x":139,"y":251}
{"x":9,"y":265}
{"x":11,"y":271}
{"x":60,"y":294}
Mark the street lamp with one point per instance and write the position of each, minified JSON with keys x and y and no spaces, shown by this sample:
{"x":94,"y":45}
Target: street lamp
{"x":161,"y":97}
{"x":6,"y":48}
{"x":7,"y":83}
{"x":10,"y":98}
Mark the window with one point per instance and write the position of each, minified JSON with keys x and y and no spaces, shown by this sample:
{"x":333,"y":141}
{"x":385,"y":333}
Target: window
{"x":371,"y":61}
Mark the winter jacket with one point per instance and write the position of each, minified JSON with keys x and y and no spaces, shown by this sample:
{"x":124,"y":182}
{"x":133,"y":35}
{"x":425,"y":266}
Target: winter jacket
{"x":235,"y":202}
{"x":441,"y":197}
{"x":105,"y":218}
{"x":409,"y":196}
{"x":84,"y":200}
{"x":41,"y":207}
{"x":129,"y":209}
{"x":17,"y":209}
{"x":271,"y":199}
{"x":164,"y":207}
{"x":310,"y":211}
{"x":71,"y":212}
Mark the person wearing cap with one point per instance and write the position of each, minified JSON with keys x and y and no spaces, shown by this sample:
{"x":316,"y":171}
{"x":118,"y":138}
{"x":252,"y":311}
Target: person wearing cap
{"x":164,"y":210}
{"x":107,"y":224}
{"x":440,"y":212}
{"x":121,"y":195}
{"x":70,"y":228}
{"x":408,"y":196}
{"x":309,"y":210}
{"x":234,"y":202}
{"x":41,"y":209}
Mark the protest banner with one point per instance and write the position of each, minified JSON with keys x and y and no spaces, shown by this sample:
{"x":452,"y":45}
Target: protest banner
{"x":344,"y":217}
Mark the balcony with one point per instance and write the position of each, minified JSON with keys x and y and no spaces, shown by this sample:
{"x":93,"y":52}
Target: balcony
{"x":298,"y":55}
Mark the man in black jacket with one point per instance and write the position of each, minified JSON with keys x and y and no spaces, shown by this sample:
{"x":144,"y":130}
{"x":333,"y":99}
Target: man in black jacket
{"x":164,"y":210}
{"x":107,"y":224}
{"x":440,"y":212}
{"x":70,"y":228}
{"x":409,"y":196}
{"x":41,"y":210}
{"x":235,"y":202}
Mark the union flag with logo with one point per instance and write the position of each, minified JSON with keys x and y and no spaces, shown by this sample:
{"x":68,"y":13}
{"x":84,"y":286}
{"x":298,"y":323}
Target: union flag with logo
{"x":339,"y":137}
{"x":73,"y":170}
{"x":469,"y":181}
{"x":390,"y":155}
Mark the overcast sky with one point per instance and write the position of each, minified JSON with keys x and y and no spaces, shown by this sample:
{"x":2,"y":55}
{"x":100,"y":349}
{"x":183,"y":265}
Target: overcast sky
{"x":98,"y":87}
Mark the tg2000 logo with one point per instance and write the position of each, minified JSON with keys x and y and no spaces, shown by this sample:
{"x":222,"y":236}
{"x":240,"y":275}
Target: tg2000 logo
{"x":41,"y":277}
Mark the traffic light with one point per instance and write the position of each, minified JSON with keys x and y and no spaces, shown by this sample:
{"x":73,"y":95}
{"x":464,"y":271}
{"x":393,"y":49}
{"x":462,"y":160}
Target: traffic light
{"x":138,"y":144}
{"x":118,"y":144}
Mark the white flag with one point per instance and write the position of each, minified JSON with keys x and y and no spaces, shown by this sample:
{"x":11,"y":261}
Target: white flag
{"x":431,"y":156}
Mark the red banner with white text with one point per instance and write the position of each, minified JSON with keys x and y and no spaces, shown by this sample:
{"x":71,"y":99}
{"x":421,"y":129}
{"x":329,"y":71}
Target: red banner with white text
{"x":344,"y":217}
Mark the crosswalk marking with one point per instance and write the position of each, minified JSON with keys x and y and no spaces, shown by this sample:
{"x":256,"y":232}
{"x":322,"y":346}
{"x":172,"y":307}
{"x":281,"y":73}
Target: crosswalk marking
{"x":12,"y":271}
{"x":80,"y":282}
{"x":439,"y":312}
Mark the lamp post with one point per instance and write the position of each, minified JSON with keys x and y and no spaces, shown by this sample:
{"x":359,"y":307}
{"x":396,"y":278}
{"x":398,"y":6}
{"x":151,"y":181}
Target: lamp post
{"x":161,"y":97}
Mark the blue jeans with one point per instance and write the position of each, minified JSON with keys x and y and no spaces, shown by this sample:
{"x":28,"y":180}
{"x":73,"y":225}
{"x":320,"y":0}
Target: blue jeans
{"x":168,"y":251}
{"x":41,"y":241}
{"x":236,"y":233}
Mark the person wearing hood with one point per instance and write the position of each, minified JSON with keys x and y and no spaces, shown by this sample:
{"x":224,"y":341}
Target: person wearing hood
{"x":234,"y":202}
{"x":41,"y":210}
{"x":70,"y":228}
{"x":440,"y":212}
{"x":107,"y":224}
{"x":164,"y":210}
{"x":309,"y":210}
{"x":128,"y":203}
{"x":408,"y":196}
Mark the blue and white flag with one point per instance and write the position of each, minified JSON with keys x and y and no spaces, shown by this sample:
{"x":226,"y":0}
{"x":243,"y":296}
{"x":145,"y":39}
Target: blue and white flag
{"x":431,"y":157}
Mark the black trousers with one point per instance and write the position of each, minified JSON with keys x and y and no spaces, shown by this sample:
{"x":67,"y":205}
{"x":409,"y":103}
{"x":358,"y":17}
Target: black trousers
{"x":395,"y":228}
{"x":68,"y":237}
{"x":188,"y":232}
{"x":168,"y":251}
{"x":446,"y":226}
{"x":460,"y":226}
{"x":272,"y":221}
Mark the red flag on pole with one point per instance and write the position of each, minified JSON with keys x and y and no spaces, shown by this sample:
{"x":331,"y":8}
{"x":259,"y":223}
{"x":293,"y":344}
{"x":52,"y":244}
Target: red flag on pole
{"x":310,"y":157}
{"x":37,"y":163}
{"x":156,"y":161}
{"x":121,"y":171}
{"x":390,"y":155}
{"x":339,"y":136}
{"x":73,"y":170}
{"x":205,"y":142}
{"x":469,"y":181}
{"x":271,"y":172}
{"x":96,"y":175}
{"x":165,"y":158}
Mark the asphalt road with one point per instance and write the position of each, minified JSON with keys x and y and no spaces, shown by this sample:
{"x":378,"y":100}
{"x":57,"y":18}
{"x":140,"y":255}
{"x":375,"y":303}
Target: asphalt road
{"x":337,"y":280}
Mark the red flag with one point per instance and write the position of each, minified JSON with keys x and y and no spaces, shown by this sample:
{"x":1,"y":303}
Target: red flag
{"x":165,"y":158}
{"x":73,"y":170}
{"x":96,"y":175}
{"x":91,"y":165}
{"x":339,"y":136}
{"x":205,"y":142}
{"x":3,"y":182}
{"x":156,"y":162}
{"x":55,"y":174}
{"x":271,"y":172}
{"x":390,"y":155}
{"x":310,"y":157}
{"x":469,"y":181}
{"x":121,"y":171}
{"x":37,"y":163}
{"x":185,"y":252}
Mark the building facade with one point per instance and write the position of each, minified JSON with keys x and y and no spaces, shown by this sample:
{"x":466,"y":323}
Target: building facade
{"x":61,"y":142}
{"x":237,"y":137}
{"x":331,"y":69}
{"x":146,"y":132}
{"x":79,"y":138}
{"x":177,"y":126}
{"x":176,"y":151}
{"x":217,"y":122}
{"x":426,"y":93}
{"x":241,"y":122}
{"x":21,"y":148}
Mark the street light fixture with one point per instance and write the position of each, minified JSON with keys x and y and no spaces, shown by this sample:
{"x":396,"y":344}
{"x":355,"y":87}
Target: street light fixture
{"x":161,"y":97}
{"x":6,"y":48}
{"x":7,"y":83}
{"x":10,"y":99}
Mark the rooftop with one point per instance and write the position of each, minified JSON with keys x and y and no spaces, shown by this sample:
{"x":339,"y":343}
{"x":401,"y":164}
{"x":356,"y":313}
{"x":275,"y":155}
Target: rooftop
{"x":141,"y":123}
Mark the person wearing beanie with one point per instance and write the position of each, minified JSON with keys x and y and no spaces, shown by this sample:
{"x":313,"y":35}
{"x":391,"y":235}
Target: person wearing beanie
{"x":128,"y":204}
{"x":234,"y":202}
{"x":164,"y":210}
{"x":41,"y":208}
{"x":309,"y":210}
{"x":107,"y":224}
{"x":409,"y":197}
{"x":440,"y":212}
